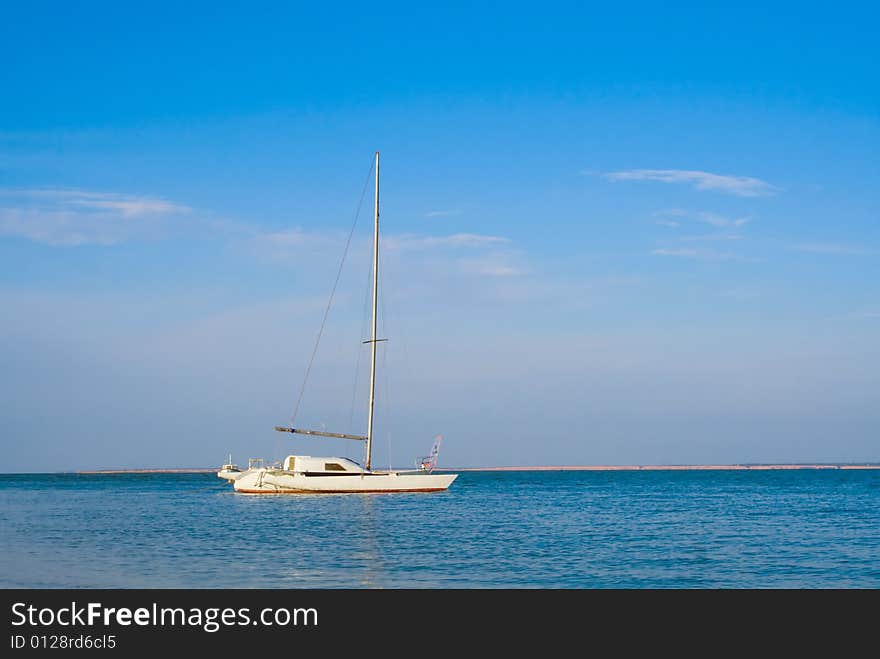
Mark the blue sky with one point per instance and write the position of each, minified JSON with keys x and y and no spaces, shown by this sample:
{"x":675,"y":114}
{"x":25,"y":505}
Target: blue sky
{"x":645,"y":234}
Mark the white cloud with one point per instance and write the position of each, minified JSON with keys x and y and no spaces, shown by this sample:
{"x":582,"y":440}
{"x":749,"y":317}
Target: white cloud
{"x":131,"y":207}
{"x":832,"y":248}
{"x":457,"y":240}
{"x":673,"y":212}
{"x":706,"y":217}
{"x":701,"y":253}
{"x":296,"y":246}
{"x":732,"y":224}
{"x":712,"y":236}
{"x":719,"y":220}
{"x":497,"y":265}
{"x":501,"y":271}
{"x":297,"y":237}
{"x":286,"y":238}
{"x":127,"y":205}
{"x":57,"y":228}
{"x":743,"y":186}
{"x":455,"y":254}
{"x":79,"y":217}
{"x":869,"y":314}
{"x":743,"y":292}
{"x":676,"y":252}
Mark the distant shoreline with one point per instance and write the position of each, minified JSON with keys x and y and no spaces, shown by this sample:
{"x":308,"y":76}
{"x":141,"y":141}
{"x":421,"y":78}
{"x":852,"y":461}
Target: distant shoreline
{"x":734,"y":467}
{"x":718,"y":467}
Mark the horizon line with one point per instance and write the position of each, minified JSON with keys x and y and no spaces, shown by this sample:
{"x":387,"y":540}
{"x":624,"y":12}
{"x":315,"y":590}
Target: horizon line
{"x":757,"y":466}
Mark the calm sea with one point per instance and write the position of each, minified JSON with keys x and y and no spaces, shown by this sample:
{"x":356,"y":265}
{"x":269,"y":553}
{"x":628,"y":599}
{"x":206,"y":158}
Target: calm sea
{"x":802,"y":529}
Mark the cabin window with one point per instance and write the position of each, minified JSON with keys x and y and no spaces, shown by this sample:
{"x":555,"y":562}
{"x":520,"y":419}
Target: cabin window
{"x":333,"y":466}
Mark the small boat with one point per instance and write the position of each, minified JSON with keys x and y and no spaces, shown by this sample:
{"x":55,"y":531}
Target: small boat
{"x":298,"y":474}
{"x":229,"y":471}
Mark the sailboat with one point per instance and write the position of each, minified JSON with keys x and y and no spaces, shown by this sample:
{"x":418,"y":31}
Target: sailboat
{"x":298,"y":474}
{"x":229,"y":471}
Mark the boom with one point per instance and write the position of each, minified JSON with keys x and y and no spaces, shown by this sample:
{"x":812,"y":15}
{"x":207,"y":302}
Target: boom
{"x":303,"y":431}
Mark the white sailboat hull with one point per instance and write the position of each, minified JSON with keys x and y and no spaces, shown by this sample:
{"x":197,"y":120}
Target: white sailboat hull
{"x":299,"y":474}
{"x":275,"y":481}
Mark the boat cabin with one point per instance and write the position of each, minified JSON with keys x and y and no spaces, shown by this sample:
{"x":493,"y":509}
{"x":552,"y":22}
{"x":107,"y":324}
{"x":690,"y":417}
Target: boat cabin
{"x":311,"y":465}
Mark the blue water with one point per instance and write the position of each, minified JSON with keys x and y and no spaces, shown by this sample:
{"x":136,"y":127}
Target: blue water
{"x":731,"y":529}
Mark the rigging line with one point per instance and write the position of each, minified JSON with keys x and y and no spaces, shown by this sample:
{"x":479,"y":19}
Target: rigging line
{"x":330,"y":301}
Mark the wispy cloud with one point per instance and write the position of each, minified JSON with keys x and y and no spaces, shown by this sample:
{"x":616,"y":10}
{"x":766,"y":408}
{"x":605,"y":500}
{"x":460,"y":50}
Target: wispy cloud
{"x":457,"y":240}
{"x":131,"y":207}
{"x":835,"y":249}
{"x":729,"y":227}
{"x":706,"y":217}
{"x":870,"y":314}
{"x":720,"y":221}
{"x":743,"y":292}
{"x":296,"y":246}
{"x":286,"y":238}
{"x":743,"y":186}
{"x":492,"y":266}
{"x":686,"y":252}
{"x":126,"y":205}
{"x":711,"y":237}
{"x":406,"y":241}
{"x":442,"y":213}
{"x":668,"y":223}
{"x":461,"y":253}
{"x":501,"y":271}
{"x":78,"y":217}
{"x":705,"y":254}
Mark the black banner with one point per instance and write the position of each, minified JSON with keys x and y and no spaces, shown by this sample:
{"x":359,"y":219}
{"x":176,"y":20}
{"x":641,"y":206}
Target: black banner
{"x":125,"y":622}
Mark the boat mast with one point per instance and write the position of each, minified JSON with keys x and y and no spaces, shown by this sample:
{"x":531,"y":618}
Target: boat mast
{"x":375,"y":308}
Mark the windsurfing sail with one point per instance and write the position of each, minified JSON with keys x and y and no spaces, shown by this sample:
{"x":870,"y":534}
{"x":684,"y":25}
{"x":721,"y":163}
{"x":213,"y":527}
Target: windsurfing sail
{"x":430,"y":461}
